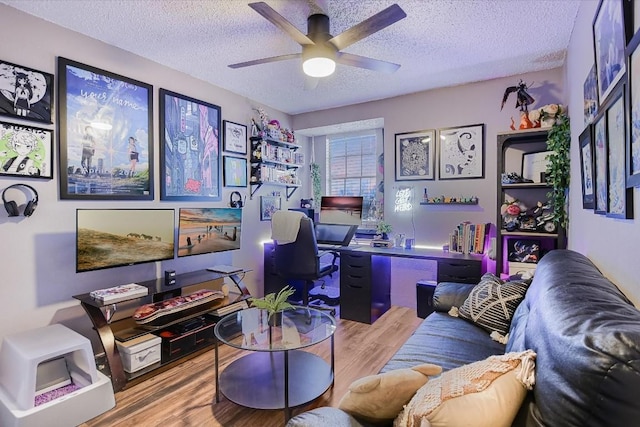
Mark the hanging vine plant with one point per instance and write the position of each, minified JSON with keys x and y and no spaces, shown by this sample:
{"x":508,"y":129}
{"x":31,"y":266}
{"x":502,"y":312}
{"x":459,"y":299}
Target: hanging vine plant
{"x":315,"y":182}
{"x":557,"y":173}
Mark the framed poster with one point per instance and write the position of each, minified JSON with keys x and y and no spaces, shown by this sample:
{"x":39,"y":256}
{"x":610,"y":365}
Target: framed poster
{"x":600,"y":164}
{"x":590,"y":96}
{"x":633,"y":80}
{"x":235,"y":137}
{"x":415,"y":155}
{"x":268,"y":205}
{"x":461,"y":152}
{"x":26,"y":151}
{"x":189,"y":148}
{"x":25,"y":93}
{"x":106,"y":144}
{"x":619,"y":195}
{"x":586,"y":168}
{"x":235,"y":171}
{"x":534,"y":165}
{"x":609,"y":39}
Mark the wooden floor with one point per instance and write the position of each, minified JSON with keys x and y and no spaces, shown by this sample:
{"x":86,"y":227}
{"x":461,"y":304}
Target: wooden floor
{"x":185,"y":395}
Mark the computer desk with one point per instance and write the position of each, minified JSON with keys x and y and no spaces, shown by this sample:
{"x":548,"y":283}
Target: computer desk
{"x":365,"y":275}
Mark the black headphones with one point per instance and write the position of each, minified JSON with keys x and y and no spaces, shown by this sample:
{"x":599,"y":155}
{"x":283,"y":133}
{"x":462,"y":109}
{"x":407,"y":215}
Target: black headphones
{"x":235,"y":203}
{"x":12,"y":207}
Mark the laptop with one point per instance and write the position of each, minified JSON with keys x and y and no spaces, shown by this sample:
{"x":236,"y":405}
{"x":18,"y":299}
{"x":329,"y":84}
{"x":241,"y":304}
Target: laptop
{"x":334,"y":235}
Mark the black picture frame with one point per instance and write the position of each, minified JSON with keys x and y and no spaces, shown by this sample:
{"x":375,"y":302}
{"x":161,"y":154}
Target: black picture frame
{"x":590,"y":91}
{"x":601,"y":197}
{"x":524,"y":250}
{"x":235,"y":137}
{"x":633,"y":97}
{"x":190,"y":161}
{"x":586,"y":168}
{"x":534,"y":165}
{"x":26,"y":151}
{"x":235,"y":171}
{"x":268,"y":205}
{"x":461,"y":152}
{"x":415,"y":155}
{"x":620,"y":203}
{"x":611,"y":32}
{"x":109,"y":117}
{"x":25,"y":93}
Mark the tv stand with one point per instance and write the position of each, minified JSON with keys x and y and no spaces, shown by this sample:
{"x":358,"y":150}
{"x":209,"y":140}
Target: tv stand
{"x":101,"y":316}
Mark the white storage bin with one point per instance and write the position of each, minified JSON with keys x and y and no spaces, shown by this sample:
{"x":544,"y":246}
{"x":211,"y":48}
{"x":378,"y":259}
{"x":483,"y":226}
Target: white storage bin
{"x":139,"y":352}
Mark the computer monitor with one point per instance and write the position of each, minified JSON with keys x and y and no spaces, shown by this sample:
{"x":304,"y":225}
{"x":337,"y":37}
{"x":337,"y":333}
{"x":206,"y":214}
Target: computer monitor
{"x":341,"y":210}
{"x":208,"y":230}
{"x":334,"y":234}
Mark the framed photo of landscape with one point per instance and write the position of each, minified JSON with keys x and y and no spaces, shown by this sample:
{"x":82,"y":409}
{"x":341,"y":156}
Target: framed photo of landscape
{"x":586,"y":168}
{"x":105,"y":134}
{"x":25,"y":93}
{"x":415,"y":155}
{"x":189,"y":148}
{"x":26,"y":151}
{"x":461,"y":152}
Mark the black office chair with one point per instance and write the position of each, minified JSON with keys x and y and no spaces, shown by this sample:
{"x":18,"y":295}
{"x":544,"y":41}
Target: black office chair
{"x":300,"y":259}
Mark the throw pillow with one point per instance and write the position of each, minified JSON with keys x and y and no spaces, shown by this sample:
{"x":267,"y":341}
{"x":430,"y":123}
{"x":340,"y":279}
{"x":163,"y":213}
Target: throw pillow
{"x":492,"y":302}
{"x":487,"y":393}
{"x":380,"y":398}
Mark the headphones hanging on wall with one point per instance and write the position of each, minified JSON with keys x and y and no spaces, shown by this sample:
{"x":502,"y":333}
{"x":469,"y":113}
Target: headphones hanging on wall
{"x":12,"y":207}
{"x":236,"y":203}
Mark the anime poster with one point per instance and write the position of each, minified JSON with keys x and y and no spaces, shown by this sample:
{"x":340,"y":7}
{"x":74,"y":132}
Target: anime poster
{"x":106,"y":149}
{"x":25,"y":151}
{"x":190,"y":148}
{"x":25,"y":93}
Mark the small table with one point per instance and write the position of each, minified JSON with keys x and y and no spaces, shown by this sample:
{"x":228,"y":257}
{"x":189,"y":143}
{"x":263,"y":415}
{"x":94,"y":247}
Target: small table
{"x":276,"y":374}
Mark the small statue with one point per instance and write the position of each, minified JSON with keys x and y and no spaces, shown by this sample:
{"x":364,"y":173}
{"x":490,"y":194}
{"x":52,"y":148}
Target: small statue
{"x":523,"y":99}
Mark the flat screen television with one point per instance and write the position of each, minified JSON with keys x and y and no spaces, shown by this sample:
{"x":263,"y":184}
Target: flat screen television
{"x":207,"y":230}
{"x":108,"y":238}
{"x":341,"y":210}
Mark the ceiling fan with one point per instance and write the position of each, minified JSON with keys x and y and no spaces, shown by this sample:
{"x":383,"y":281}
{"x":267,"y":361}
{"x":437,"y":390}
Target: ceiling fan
{"x":321,"y":50}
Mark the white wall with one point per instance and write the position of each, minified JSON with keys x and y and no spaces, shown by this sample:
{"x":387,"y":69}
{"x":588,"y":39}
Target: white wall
{"x":38,"y":253}
{"x":612,"y":244}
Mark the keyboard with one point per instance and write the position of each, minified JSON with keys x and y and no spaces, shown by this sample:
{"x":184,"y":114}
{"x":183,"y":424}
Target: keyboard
{"x":226,"y":269}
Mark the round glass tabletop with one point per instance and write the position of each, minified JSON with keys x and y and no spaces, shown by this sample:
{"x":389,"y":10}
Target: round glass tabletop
{"x":250,"y":329}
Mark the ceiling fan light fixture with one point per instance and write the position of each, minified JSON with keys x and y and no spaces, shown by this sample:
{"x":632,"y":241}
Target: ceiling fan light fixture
{"x":318,"y":61}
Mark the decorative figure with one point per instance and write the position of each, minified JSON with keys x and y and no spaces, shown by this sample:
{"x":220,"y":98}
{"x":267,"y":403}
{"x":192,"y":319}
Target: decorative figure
{"x":523,"y":99}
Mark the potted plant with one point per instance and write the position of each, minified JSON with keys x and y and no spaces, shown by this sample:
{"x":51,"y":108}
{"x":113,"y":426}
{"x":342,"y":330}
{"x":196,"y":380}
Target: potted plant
{"x":384,"y":228}
{"x":557,"y":173}
{"x":274,"y":304}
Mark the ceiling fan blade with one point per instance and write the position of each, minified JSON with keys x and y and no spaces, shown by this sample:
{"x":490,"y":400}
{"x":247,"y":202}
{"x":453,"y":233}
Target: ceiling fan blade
{"x":266,"y":60}
{"x":368,"y":63}
{"x":377,"y":22}
{"x":279,"y":21}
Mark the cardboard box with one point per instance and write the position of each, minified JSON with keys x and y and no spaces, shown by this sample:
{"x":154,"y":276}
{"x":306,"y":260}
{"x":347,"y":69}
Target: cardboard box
{"x":140,"y":352}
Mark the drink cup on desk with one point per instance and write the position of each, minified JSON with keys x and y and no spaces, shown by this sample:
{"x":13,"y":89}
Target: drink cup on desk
{"x":408,"y":243}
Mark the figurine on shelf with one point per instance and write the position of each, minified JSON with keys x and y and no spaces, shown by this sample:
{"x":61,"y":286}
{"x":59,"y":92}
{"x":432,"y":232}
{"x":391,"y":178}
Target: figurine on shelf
{"x":255,"y":130}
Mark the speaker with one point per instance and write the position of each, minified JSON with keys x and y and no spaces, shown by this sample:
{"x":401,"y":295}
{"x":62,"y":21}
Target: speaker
{"x":12,"y":207}
{"x":236,"y":203}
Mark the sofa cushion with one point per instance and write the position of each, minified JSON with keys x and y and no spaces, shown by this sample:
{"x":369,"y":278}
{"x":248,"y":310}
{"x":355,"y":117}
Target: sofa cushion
{"x":325,"y":416}
{"x":485,"y":393}
{"x":450,"y":294}
{"x":446,"y":341}
{"x":492,"y":302}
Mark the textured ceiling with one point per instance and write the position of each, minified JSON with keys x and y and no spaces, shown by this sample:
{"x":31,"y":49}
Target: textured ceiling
{"x":440,"y":43}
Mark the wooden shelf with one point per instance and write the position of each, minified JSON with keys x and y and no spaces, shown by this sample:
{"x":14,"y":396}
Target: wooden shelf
{"x":449,"y":203}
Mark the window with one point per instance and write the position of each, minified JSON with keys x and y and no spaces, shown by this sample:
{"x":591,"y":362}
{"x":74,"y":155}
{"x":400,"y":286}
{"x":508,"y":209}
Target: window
{"x":351,"y":166}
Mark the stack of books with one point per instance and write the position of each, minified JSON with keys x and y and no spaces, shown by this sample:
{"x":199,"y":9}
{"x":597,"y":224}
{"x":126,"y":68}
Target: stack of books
{"x":468,"y":238}
{"x":119,"y":293}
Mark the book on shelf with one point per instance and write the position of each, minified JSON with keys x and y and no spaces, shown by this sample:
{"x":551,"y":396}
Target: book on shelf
{"x":468,"y":238}
{"x":231,"y":308}
{"x":119,"y":293}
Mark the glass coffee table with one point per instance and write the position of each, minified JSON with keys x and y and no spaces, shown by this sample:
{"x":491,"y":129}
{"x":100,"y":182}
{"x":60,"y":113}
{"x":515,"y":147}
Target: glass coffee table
{"x":277,"y":374}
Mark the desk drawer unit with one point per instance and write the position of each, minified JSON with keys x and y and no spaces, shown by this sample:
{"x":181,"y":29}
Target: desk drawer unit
{"x":460,"y":271}
{"x":365,"y":286}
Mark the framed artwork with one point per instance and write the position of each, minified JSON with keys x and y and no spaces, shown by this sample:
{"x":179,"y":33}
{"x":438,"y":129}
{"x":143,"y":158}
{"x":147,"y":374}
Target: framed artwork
{"x":25,"y":93}
{"x":189,"y":148}
{"x":619,"y":195}
{"x":106,"y":136}
{"x":590,"y":96}
{"x":268,"y":205}
{"x":524,"y":250}
{"x":586,"y":168}
{"x":235,"y":137}
{"x":235,"y":171}
{"x":415,"y":155}
{"x":462,"y":152}
{"x":610,"y":39}
{"x":600,"y":164}
{"x":633,"y":150}
{"x":26,"y":151}
{"x":534,"y":165}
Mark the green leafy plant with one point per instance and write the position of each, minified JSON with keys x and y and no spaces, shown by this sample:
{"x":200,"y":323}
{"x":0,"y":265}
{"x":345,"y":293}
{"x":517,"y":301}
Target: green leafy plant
{"x":384,"y":227}
{"x":315,"y":182}
{"x":557,"y":173}
{"x":274,"y":303}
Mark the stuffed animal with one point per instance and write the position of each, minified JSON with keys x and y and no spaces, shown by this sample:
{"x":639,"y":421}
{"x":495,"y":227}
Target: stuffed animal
{"x":380,"y":398}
